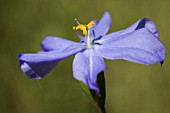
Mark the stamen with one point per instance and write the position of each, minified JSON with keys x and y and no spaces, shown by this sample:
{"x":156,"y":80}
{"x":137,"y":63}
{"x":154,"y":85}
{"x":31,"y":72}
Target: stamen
{"x":77,"y":21}
{"x":81,"y":37}
{"x":90,"y":25}
{"x":82,"y":27}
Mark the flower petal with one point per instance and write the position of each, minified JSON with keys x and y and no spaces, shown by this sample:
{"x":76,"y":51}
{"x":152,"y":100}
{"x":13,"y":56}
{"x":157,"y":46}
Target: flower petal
{"x":139,"y":46}
{"x":146,"y":23}
{"x":55,"y":43}
{"x":86,"y":66}
{"x":103,"y":26}
{"x":37,"y":65}
{"x":142,"y":23}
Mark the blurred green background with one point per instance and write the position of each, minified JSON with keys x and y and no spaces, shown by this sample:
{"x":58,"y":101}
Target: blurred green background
{"x":131,"y":88}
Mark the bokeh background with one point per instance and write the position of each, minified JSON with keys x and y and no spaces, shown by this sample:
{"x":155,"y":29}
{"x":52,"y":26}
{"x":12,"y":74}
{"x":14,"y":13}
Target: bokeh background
{"x":131,"y":88}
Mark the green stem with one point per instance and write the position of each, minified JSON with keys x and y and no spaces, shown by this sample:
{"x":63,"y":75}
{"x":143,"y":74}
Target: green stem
{"x":99,"y":99}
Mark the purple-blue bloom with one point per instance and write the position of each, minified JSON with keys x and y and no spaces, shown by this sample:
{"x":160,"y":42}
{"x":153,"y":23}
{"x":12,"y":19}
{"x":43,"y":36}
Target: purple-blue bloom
{"x":138,"y":43}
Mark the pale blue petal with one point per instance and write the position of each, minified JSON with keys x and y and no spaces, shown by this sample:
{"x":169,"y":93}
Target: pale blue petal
{"x":139,"y":46}
{"x":103,"y":26}
{"x":37,"y":65}
{"x":86,"y":66}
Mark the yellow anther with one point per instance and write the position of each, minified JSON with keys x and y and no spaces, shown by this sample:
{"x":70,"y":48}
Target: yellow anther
{"x":74,"y":28}
{"x":84,"y":28}
{"x":90,"y":24}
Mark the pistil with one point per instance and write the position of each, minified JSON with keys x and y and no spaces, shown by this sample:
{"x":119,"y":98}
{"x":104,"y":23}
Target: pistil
{"x":88,"y":40}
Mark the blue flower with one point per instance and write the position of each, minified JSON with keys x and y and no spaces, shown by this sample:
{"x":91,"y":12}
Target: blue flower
{"x":138,"y":43}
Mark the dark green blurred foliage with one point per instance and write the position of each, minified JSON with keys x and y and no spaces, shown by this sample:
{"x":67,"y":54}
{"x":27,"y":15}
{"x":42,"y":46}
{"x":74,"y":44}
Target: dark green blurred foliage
{"x":130,"y":87}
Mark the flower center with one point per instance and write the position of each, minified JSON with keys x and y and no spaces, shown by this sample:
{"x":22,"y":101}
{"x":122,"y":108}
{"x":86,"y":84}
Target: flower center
{"x":87,"y":32}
